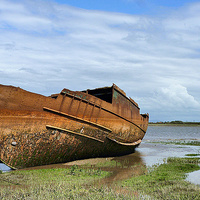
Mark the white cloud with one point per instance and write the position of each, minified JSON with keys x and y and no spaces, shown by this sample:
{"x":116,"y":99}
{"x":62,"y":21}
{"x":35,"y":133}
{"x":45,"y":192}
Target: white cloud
{"x":176,"y":97}
{"x":172,"y":103}
{"x":46,"y":46}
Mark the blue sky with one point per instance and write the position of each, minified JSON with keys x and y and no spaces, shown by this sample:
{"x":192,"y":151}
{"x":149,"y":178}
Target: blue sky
{"x":141,"y":7}
{"x":151,"y":7}
{"x":150,"y":49}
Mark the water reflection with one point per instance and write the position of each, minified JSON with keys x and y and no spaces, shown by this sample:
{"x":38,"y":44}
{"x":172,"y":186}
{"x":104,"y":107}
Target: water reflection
{"x":126,"y":167}
{"x":122,"y":167}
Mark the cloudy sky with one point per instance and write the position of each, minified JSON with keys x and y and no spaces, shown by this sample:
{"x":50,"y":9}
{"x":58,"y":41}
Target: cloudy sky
{"x":149,"y":48}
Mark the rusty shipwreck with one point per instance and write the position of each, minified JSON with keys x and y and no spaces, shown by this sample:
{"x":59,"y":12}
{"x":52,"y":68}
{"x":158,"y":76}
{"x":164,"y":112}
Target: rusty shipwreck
{"x":40,"y":130}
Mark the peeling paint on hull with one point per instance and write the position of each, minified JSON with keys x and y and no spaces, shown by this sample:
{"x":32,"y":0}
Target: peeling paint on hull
{"x":38,"y":130}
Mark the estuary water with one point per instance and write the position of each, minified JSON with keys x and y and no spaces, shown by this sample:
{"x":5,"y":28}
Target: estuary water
{"x":153,"y":150}
{"x":167,"y":132}
{"x":156,"y":146}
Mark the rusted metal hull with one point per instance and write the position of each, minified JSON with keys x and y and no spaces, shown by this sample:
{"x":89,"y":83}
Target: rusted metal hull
{"x":39,"y":130}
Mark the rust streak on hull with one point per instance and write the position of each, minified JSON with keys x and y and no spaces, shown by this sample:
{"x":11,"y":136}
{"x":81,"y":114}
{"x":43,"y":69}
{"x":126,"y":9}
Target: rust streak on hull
{"x":39,"y":130}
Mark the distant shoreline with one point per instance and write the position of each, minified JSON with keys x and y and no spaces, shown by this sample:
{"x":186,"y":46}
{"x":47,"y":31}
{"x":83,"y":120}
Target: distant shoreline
{"x":174,"y":123}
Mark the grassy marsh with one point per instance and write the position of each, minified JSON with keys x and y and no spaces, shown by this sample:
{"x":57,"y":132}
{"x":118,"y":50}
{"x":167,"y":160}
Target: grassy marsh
{"x":165,"y":181}
{"x":59,"y":183}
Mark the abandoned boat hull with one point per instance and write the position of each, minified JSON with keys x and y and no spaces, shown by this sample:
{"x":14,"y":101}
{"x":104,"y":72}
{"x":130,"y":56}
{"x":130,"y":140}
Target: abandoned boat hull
{"x":39,"y":130}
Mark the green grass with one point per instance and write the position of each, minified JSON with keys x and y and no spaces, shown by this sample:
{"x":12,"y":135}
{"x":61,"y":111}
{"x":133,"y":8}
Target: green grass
{"x":165,"y":181}
{"x":72,"y":183}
